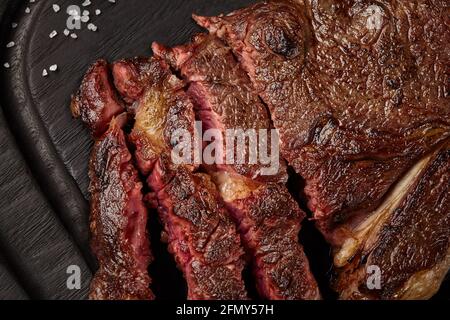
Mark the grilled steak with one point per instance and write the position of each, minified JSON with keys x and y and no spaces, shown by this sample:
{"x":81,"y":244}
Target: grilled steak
{"x":359,"y":93}
{"x":267,"y":216}
{"x":118,"y":218}
{"x":118,"y":221}
{"x":200,"y":233}
{"x":96,"y":102}
{"x":356,"y":101}
{"x":412,"y":247}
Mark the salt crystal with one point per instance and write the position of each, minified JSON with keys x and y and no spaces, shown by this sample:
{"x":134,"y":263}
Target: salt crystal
{"x":86,"y":12}
{"x":112,"y":1}
{"x":74,"y":36}
{"x":84,"y":19}
{"x":56,"y":8}
{"x":98,"y":12}
{"x":27,"y":10}
{"x":14,"y":25}
{"x":44,"y":73}
{"x":6,"y":65}
{"x":92,"y":27}
{"x":53,"y":67}
{"x":86,"y":3}
{"x":66,"y":32}
{"x":11,"y":44}
{"x":53,"y":34}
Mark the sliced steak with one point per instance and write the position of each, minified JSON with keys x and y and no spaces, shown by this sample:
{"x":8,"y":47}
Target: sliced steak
{"x":268,"y":217}
{"x":96,"y":101}
{"x":118,"y":221}
{"x":358,"y":90}
{"x":200,"y":233}
{"x":223,"y":100}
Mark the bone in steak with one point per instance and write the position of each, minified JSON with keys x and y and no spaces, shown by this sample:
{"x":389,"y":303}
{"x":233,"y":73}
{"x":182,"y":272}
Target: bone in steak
{"x":200,"y":233}
{"x":267,"y":216}
{"x":118,"y":218}
{"x":359,"y":92}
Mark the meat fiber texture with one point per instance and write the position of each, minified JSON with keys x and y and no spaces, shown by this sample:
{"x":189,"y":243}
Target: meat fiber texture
{"x":359,"y":93}
{"x":118,"y":217}
{"x":267,"y":216}
{"x":118,"y":222}
{"x":200,"y":234}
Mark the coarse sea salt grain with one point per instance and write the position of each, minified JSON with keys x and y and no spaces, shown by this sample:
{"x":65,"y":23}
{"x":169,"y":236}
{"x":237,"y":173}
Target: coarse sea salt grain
{"x":14,"y":25}
{"x":92,"y":27}
{"x":53,"y":34}
{"x":53,"y":67}
{"x":84,"y":19}
{"x":27,"y":10}
{"x":66,"y":32}
{"x":56,"y":8}
{"x":112,"y":1}
{"x":74,"y":36}
{"x":44,"y":73}
{"x":86,"y":3}
{"x":10,"y":44}
{"x":98,"y":12}
{"x":6,"y":65}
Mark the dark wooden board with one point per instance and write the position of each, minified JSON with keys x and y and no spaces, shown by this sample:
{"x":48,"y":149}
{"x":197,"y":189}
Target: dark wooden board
{"x":44,"y":152}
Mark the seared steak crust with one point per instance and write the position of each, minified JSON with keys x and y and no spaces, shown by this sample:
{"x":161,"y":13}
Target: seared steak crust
{"x":269,"y":220}
{"x":223,"y":97}
{"x":96,"y":101}
{"x":118,"y":222}
{"x":358,"y":90}
{"x":419,"y":230}
{"x":267,"y":216}
{"x":201,"y":236}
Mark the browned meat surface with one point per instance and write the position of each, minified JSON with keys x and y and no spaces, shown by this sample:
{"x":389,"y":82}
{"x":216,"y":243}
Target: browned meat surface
{"x":118,"y":221}
{"x":200,"y":234}
{"x":267,"y":216}
{"x":96,"y":102}
{"x":412,"y":248}
{"x":131,"y":76}
{"x":223,"y":98}
{"x":358,"y":90}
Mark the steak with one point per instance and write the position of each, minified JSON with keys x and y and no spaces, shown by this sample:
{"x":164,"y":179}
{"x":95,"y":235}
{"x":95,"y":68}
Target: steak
{"x":118,"y":217}
{"x":359,"y":93}
{"x":267,"y":216}
{"x":412,"y":247}
{"x":96,"y":102}
{"x":200,"y":233}
{"x":118,"y":221}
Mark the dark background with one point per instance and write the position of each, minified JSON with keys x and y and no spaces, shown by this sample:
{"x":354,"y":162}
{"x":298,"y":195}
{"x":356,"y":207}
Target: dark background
{"x":44,"y":152}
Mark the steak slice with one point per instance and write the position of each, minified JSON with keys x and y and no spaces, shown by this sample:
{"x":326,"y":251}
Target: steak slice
{"x":200,"y":233}
{"x":96,"y":101}
{"x":357,"y":89}
{"x":268,"y":218}
{"x":223,"y":99}
{"x":118,"y":221}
